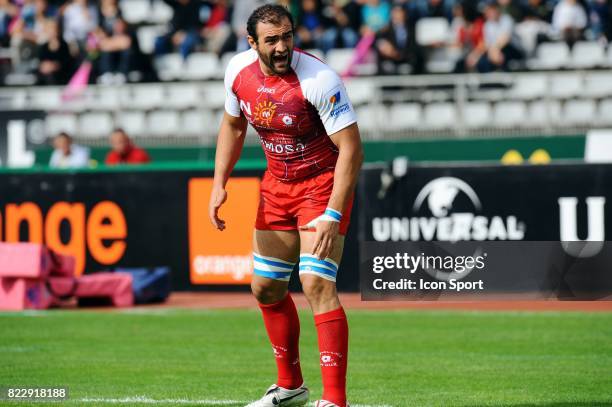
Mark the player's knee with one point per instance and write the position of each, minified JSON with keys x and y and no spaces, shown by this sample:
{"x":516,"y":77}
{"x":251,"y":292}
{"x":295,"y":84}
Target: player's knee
{"x":266,"y":292}
{"x":318,"y":290}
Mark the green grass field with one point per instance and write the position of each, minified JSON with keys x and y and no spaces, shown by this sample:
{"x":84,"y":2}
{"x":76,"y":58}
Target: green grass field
{"x":398,"y":358}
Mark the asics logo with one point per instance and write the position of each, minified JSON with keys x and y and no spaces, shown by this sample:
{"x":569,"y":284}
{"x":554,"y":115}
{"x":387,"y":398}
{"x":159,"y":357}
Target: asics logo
{"x":263,"y":89}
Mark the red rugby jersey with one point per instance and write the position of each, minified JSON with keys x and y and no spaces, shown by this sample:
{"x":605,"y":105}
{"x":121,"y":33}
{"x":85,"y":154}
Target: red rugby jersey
{"x":293,"y":113}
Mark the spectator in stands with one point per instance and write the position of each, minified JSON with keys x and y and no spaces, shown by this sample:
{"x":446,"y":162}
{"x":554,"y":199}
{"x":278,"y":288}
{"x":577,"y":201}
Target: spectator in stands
{"x":216,"y":30}
{"x":66,"y":154}
{"x":396,"y":45}
{"x":28,"y":30}
{"x":8,"y":11}
{"x":569,"y":21}
{"x":511,"y":8}
{"x":56,"y":64}
{"x":375,"y":15}
{"x":116,"y":50}
{"x":80,"y":19}
{"x":501,"y":45}
{"x":539,"y":9}
{"x":467,"y":27}
{"x":600,"y":19}
{"x":342,"y":32}
{"x":430,"y":8}
{"x":535,"y":27}
{"x":123,"y":151}
{"x":109,"y":13}
{"x":184,"y":28}
{"x":310,"y":25}
{"x":237,"y":41}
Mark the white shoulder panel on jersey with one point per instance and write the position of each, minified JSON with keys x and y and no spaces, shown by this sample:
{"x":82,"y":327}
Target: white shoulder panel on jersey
{"x":235,"y":65}
{"x":324,"y":89}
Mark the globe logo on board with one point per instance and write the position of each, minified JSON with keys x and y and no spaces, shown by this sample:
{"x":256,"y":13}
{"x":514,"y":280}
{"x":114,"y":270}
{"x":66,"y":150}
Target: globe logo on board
{"x":447,"y":209}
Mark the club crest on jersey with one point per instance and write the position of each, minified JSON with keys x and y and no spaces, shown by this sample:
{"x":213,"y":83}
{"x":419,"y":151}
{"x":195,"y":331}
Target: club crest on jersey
{"x":288,"y":120}
{"x":264,"y":112}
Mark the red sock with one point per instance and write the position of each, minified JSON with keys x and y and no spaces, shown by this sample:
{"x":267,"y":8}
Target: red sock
{"x":283,"y":326}
{"x":332,"y":329}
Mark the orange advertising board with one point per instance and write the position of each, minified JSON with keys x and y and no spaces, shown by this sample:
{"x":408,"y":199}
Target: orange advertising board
{"x":222,"y":257}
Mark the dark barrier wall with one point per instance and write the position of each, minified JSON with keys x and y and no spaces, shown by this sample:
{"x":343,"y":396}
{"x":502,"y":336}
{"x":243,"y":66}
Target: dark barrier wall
{"x":522,"y":212}
{"x":487,"y":203}
{"x":136,"y":217}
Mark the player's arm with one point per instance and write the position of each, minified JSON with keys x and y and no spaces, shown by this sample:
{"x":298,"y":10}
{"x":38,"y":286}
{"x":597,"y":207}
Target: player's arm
{"x":350,"y":158}
{"x":229,"y":146}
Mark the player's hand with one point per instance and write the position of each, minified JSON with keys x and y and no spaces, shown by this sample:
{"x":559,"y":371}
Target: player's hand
{"x":218,"y":196}
{"x":326,"y":227}
{"x":325,"y":237}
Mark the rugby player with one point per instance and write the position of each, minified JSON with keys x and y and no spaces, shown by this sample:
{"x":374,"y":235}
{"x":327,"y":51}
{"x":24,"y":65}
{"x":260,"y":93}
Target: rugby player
{"x":307,"y":127}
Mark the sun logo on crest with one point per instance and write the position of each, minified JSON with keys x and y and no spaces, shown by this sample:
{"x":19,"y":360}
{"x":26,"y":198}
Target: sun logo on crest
{"x":264,"y":112}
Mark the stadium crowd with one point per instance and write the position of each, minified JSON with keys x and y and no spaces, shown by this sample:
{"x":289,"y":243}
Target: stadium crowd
{"x":51,"y":38}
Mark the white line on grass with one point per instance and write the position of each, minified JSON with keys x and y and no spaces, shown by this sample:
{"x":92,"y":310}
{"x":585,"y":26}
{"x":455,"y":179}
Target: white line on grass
{"x":204,"y":402}
{"x":148,"y":400}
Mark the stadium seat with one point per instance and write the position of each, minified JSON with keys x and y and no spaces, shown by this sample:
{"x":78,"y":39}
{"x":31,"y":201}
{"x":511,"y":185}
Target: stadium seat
{"x":359,"y":90}
{"x":135,"y":11}
{"x":566,"y":85}
{"x":216,"y":123}
{"x":47,"y":98}
{"x":169,"y":67}
{"x":442,"y":60}
{"x":214,"y":95}
{"x":543,"y":113}
{"x":528,"y":87}
{"x":509,"y":114}
{"x":372,"y":118}
{"x":133,"y":122}
{"x":147,"y":36}
{"x":440,"y":115}
{"x":146,"y":97}
{"x":551,"y":55}
{"x":55,"y":123}
{"x":339,"y":59}
{"x":477,"y":115}
{"x":201,"y":65}
{"x":368,"y":66}
{"x":104,"y":98}
{"x":225,"y":58}
{"x":161,"y":13}
{"x":183,"y":96}
{"x":404,"y":116}
{"x":604,"y":112}
{"x":587,"y":54}
{"x":196,"y":122}
{"x":163,"y":123}
{"x":432,"y":30}
{"x":579,"y":112}
{"x":598,"y":84}
{"x":95,"y":125}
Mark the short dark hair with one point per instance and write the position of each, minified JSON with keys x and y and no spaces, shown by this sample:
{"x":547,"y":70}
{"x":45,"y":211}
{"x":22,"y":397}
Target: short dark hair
{"x":63,"y":134}
{"x":268,"y":13}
